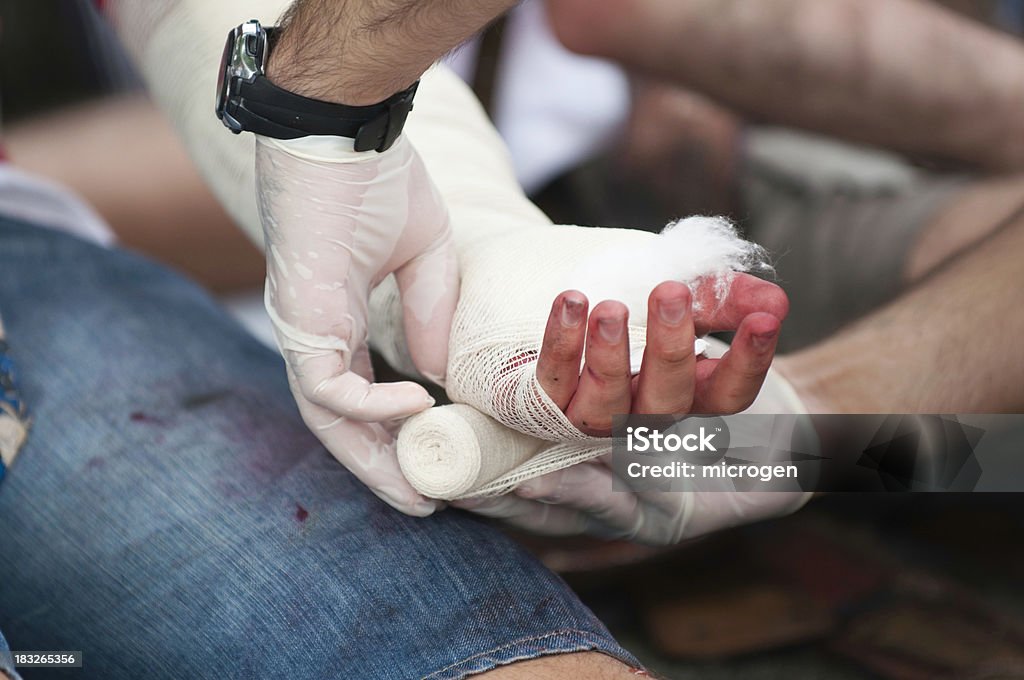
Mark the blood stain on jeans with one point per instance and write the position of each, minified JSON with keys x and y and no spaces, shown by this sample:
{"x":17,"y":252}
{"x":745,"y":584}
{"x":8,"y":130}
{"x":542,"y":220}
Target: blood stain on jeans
{"x":301,"y":514}
{"x":145,"y":418}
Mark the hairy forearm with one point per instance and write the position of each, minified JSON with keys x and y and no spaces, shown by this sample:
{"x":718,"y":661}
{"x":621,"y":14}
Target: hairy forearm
{"x":183,"y":81}
{"x":904,"y":74}
{"x":362,"y":51}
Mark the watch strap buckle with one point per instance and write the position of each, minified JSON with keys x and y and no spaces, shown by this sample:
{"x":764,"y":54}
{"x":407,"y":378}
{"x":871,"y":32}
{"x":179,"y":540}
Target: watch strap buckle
{"x":379,"y":133}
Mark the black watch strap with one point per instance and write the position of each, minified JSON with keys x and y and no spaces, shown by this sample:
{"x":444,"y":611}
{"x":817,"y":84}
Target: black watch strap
{"x":266,"y":109}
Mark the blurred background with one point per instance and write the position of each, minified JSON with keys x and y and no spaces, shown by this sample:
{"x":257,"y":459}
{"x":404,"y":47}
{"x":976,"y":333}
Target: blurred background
{"x":852,"y":587}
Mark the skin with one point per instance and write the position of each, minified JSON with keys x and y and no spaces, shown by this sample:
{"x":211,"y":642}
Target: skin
{"x":589,"y":665}
{"x":883,"y":363}
{"x":956,"y":261}
{"x":974,"y":213}
{"x":974,"y":365}
{"x":603,"y":357}
{"x":153,"y":198}
{"x":966,"y":259}
{"x":812,"y":65}
{"x":671,"y":378}
{"x":380,"y":46}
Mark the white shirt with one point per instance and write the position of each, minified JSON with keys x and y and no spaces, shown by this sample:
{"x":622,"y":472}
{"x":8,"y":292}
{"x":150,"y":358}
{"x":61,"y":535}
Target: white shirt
{"x":554,"y":108}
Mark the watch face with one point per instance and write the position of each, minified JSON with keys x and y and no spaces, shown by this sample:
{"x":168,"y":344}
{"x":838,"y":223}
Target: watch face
{"x":223,"y":78}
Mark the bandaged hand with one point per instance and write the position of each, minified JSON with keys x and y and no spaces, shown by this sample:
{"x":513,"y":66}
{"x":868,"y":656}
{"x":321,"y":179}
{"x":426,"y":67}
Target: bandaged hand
{"x":583,"y":499}
{"x":335,"y":223}
{"x":506,"y":427}
{"x":672,"y":379}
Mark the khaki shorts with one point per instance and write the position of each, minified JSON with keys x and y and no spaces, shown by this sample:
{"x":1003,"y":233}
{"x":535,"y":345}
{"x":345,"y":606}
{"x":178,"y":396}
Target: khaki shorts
{"x":839,"y":222}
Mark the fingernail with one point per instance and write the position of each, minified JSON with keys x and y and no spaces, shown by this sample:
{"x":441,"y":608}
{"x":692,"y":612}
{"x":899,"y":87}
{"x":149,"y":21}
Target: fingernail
{"x":572,"y":312}
{"x":763,"y":341}
{"x":610,"y":329}
{"x":430,"y":401}
{"x":672,"y":310}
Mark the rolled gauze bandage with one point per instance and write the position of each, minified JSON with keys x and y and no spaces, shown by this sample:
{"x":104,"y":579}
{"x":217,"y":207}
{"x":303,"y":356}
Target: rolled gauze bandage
{"x":452,"y":451}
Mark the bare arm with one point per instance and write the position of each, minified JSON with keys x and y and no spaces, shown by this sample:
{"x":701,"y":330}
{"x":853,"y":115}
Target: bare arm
{"x":376,"y":47}
{"x":153,"y":197}
{"x":177,"y":46}
{"x":903,"y":74}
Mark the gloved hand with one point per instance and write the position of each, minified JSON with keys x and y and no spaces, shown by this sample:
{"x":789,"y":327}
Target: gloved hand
{"x":580,"y":499}
{"x":336,"y":222}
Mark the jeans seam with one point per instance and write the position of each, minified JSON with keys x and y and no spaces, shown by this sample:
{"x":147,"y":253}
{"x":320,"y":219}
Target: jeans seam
{"x":587,"y":635}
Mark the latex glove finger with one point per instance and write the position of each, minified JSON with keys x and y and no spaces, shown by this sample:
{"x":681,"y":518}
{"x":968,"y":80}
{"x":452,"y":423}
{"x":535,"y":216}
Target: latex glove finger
{"x":587,"y":487}
{"x":320,"y":378}
{"x":654,"y":517}
{"x":335,"y":223}
{"x":538,"y":518}
{"x":367,"y":450}
{"x":651,"y":517}
{"x":693,"y":508}
{"x":362,"y":365}
{"x":429,"y":289}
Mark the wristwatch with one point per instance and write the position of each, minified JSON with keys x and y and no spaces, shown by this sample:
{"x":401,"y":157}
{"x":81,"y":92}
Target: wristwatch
{"x":247,"y":100}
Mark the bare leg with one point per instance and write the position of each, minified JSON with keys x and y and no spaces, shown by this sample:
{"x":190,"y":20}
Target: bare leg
{"x":977,"y":211}
{"x":951,"y":344}
{"x":582,"y":665}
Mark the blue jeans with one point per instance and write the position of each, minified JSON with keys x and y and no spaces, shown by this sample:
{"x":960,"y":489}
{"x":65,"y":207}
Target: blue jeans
{"x":172,"y":517}
{"x":6,"y":664}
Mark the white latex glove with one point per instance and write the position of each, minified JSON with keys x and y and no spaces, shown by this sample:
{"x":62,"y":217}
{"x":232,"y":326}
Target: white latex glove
{"x":580,"y":499}
{"x":320,"y":199}
{"x":335,"y":223}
